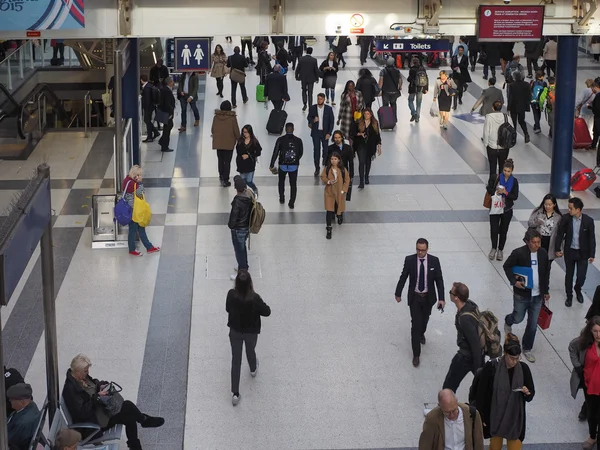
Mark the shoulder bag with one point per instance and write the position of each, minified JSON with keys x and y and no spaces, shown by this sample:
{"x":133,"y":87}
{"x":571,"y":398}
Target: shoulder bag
{"x":487,"y":198}
{"x":237,"y":75}
{"x":113,"y":400}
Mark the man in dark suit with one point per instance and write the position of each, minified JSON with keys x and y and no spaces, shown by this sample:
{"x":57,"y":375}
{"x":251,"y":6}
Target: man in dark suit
{"x":237,"y":61}
{"x":425,"y":275}
{"x":307,"y":73}
{"x":577,"y":232}
{"x":528,"y":299}
{"x":296,"y":46}
{"x":166,"y":109}
{"x":148,"y":108}
{"x":320,"y":122}
{"x":187,"y":93}
{"x":365,"y":42}
{"x":158,"y":73}
{"x":519,"y":102}
{"x":276,"y":88}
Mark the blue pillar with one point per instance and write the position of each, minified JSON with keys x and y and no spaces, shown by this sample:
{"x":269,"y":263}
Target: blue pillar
{"x":564,"y":115}
{"x":130,"y":97}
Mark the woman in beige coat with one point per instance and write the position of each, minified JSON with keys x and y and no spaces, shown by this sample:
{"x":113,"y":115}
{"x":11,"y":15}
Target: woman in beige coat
{"x":336,"y":179}
{"x":225,"y":134}
{"x":219,"y":68}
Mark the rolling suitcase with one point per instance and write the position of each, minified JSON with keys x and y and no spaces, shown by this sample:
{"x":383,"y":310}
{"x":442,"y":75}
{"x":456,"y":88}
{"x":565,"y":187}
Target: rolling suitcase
{"x":260,"y":93}
{"x":583,"y":179}
{"x":385,"y":115}
{"x":276,"y":122}
{"x":581,"y":134}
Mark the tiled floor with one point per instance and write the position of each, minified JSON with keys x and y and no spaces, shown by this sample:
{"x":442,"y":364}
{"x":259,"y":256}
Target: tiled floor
{"x":335,"y":354}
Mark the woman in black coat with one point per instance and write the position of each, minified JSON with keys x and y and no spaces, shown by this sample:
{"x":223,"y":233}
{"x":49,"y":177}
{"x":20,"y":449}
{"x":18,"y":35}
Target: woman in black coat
{"x":340,"y":48}
{"x":492,"y":58}
{"x":369,"y":87}
{"x":460,"y":74}
{"x":248,"y":149}
{"x":329,"y":69}
{"x":366,"y":140}
{"x":263,"y":64}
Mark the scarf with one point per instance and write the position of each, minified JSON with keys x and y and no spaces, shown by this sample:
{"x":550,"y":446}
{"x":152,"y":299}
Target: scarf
{"x":507,"y":413}
{"x":508,"y":184}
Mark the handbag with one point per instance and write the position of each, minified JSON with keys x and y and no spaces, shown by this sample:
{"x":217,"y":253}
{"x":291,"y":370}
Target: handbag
{"x":113,"y":400}
{"x":162,"y":116}
{"x":237,"y":75}
{"x":142,"y":214}
{"x":357,"y":115}
{"x":545,"y":317}
{"x":123,"y":211}
{"x":107,"y":99}
{"x":349,"y":193}
{"x":487,"y":198}
{"x":482,"y":58}
{"x":497,"y":205}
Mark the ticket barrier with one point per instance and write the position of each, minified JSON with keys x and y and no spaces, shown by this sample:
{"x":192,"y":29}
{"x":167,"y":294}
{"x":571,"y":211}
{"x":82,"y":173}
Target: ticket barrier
{"x":107,"y":232}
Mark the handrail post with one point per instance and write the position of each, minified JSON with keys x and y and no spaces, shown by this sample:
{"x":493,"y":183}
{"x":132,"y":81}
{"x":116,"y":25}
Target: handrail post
{"x":31,"y":53}
{"x":85,"y":114}
{"x":39,"y":105}
{"x":21,"y":63}
{"x":70,"y":56}
{"x":10,"y":84}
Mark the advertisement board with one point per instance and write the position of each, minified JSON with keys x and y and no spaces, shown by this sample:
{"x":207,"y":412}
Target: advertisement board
{"x":22,"y":15}
{"x":510,"y":23}
{"x":412,"y":45}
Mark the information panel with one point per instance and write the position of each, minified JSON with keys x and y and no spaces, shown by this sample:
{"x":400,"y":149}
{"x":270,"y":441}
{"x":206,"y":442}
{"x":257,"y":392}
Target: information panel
{"x":412,"y":45}
{"x":22,"y":15}
{"x":192,"y":54}
{"x":510,"y":23}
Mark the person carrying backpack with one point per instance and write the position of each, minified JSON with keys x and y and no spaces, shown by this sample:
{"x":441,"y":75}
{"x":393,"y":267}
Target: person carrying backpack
{"x":239,"y":222}
{"x":513,"y":67}
{"x":537,"y":87}
{"x":546,"y":102}
{"x":470,"y":356}
{"x":288,"y":151}
{"x":418,"y":85}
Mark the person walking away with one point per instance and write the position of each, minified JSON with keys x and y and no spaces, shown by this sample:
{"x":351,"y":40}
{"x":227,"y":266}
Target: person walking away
{"x":225,"y":135}
{"x":239,"y":222}
{"x":576,"y":232}
{"x":296,"y":45}
{"x":276,"y":88}
{"x":451,"y":425}
{"x":263,"y":66}
{"x":238,"y":62}
{"x":492,"y":58}
{"x":545,"y":220}
{"x":329,"y":68}
{"x":159,"y":73}
{"x":345,"y":151}
{"x":510,"y":72}
{"x":500,"y":391}
{"x":474,"y":48}
{"x":445,"y":88}
{"x":418,"y":85}
{"x":487,"y":99}
{"x":340,"y":46}
{"x":244,"y":308}
{"x":288,"y":151}
{"x":320,"y":121}
{"x":307,"y":73}
{"x":187,"y":92}
{"x":336,"y":179}
{"x":507,"y":54}
{"x":469,"y":357}
{"x":424,"y":274}
{"x":148,"y":107}
{"x":528,"y":299}
{"x":366,"y":43}
{"x":248,"y":150}
{"x":594,"y":108}
{"x":537,"y":87}
{"x":167,"y":106}
{"x":460,"y":74}
{"x":595,"y":47}
{"x":519,"y":102}
{"x":367,"y":144}
{"x":585,"y":97}
{"x":495,"y":153}
{"x":247,"y":43}
{"x":506,"y":186}
{"x":533,"y":51}
{"x":390,"y":83}
{"x":546,"y":102}
{"x":218,"y":69}
{"x":550,"y":54}
{"x":351,"y":103}
{"x":368,"y":86}
{"x":282,"y":57}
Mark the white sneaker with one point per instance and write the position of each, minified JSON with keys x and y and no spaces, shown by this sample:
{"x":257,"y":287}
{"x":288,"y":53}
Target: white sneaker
{"x":235,"y":399}
{"x":507,"y":329}
{"x":254,"y":373}
{"x":233,"y":277}
{"x":499,"y":255}
{"x":492,"y":254}
{"x":529,"y":356}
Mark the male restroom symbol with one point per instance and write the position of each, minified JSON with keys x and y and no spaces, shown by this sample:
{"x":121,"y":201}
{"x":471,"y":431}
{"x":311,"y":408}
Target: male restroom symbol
{"x":185,"y":54}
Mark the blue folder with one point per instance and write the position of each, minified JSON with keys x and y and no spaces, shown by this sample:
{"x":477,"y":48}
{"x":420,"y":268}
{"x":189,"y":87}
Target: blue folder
{"x":525,"y":275}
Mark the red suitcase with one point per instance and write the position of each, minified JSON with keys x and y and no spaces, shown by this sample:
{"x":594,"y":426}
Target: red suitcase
{"x":583,"y":179}
{"x":581,"y":134}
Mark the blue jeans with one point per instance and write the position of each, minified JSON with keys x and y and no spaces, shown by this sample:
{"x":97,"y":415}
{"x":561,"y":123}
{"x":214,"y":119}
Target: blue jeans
{"x":238,"y":237}
{"x":249,"y":179}
{"x":133,"y":229}
{"x":532,"y":307}
{"x":330,"y":93}
{"x":193,"y":107}
{"x":411,"y":103}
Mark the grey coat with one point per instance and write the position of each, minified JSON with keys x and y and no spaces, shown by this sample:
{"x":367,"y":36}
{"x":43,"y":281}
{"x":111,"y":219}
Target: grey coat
{"x":532,"y":223}
{"x":577,"y":359}
{"x":487,"y":99}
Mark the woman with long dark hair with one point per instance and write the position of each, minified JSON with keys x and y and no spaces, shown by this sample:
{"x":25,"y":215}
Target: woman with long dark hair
{"x":329,"y":68}
{"x":219,"y":62}
{"x":351,"y":102}
{"x":367,"y":144}
{"x":248,"y":149}
{"x":545,"y":219}
{"x":245,"y":307}
{"x":367,"y":84}
{"x":336,"y":179}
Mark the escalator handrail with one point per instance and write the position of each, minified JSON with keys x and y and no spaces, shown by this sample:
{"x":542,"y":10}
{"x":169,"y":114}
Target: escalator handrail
{"x":13,"y":51}
{"x":40,"y":88}
{"x":9,"y":96}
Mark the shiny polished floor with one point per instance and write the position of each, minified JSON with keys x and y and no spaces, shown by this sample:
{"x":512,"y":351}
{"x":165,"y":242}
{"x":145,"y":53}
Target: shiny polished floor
{"x":335,"y":358}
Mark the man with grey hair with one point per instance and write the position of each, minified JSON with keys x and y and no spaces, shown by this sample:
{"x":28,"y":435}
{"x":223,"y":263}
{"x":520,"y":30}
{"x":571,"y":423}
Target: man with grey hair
{"x":451,"y":426}
{"x":390,"y":82}
{"x":22,"y":423}
{"x":276,"y":88}
{"x":166,"y":110}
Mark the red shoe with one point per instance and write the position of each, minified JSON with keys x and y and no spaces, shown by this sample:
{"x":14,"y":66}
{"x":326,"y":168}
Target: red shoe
{"x":136,"y":253}
{"x":154,"y":250}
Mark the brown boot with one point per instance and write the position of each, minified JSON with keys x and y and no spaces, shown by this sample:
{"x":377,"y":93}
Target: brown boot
{"x":196,"y":123}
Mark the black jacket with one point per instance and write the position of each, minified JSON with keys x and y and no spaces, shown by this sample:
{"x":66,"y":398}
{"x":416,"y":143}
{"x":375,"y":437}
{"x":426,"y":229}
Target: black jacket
{"x":237,"y":61}
{"x":288,"y":150}
{"x":167,"y":100}
{"x":11,"y":377}
{"x":307,"y":70}
{"x":492,"y":52}
{"x":534,"y":49}
{"x":434,"y":278}
{"x":412,"y":80}
{"x":371,"y":140}
{"x":147,"y":98}
{"x":467,"y":337}
{"x":511,"y":196}
{"x":519,"y":99}
{"x":253,"y":151}
{"x":283,"y":57}
{"x":244,"y":316}
{"x":80,"y":404}
{"x":346,"y":152}
{"x":292,"y":43}
{"x":263,"y":65}
{"x":587,"y":236}
{"x":241,"y":207}
{"x":462,"y":75}
{"x":594,"y":309}
{"x":158,"y":74}
{"x":369,"y":88}
{"x":522,"y":257}
{"x":595,"y":106}
{"x":342,"y":46}
{"x":276,"y":87}
{"x":506,"y":50}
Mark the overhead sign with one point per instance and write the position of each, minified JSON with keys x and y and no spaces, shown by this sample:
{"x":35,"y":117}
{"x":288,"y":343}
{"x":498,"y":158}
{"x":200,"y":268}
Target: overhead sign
{"x":192,"y":54}
{"x":357,"y":21}
{"x":510,"y":23}
{"x":22,"y":15}
{"x":413,"y":45}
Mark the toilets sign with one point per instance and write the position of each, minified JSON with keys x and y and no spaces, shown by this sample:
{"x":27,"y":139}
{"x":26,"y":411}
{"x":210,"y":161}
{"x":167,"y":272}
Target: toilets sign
{"x":192,"y":54}
{"x":413,"y":45}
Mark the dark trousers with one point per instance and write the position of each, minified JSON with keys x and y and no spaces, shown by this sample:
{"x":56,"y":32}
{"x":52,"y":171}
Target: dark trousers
{"x":496,"y":158}
{"x":58,"y":49}
{"x":460,"y":88}
{"x":537,"y":115}
{"x":237,"y":341}
{"x":247,"y":43}
{"x":277,"y":104}
{"x":364,"y":51}
{"x":307,"y":93}
{"x":234,"y":86}
{"x":151,"y":131}
{"x":519,"y":117}
{"x":318,"y":138}
{"x":340,"y":57}
{"x":193,"y":107}
{"x":420,"y":310}
{"x":293,"y":184}
{"x":473,"y":58}
{"x":220,"y":85}
{"x":572,"y":260}
{"x":165,"y":139}
{"x":551,"y":65}
{"x":460,"y":366}
{"x":329,"y":216}
{"x":129,"y":416}
{"x":389,"y":99}
{"x":499,"y":224}
{"x":485,"y":70}
{"x":596,"y":131}
{"x":296,"y":54}
{"x":224,"y":157}
{"x":532,"y":62}
{"x":364,"y":164}
{"x":593,"y":418}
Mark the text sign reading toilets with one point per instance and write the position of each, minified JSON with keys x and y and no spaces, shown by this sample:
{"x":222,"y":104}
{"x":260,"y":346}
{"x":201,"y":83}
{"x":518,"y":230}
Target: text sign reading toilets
{"x":192,"y":54}
{"x":413,"y":45}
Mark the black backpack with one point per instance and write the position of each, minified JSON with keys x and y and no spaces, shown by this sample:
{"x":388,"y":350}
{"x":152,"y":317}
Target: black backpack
{"x":507,"y":135}
{"x":156,"y":95}
{"x":421,"y":80}
{"x":290,"y":154}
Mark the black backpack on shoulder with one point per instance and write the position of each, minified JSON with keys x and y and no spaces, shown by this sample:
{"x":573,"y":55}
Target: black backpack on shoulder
{"x":507,"y":135}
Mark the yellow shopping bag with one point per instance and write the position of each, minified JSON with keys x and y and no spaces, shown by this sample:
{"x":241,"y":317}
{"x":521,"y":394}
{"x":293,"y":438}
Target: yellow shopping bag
{"x":141,"y":210}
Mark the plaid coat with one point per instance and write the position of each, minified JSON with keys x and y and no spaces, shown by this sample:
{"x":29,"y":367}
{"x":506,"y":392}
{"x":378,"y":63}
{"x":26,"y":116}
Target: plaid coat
{"x":346,"y":116}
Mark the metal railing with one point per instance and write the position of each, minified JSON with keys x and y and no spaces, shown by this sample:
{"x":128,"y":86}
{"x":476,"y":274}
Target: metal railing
{"x":87,"y":113}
